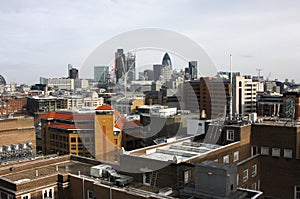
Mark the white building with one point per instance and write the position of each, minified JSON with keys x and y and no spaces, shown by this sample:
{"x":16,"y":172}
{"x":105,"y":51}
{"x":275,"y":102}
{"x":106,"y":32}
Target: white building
{"x":244,"y":95}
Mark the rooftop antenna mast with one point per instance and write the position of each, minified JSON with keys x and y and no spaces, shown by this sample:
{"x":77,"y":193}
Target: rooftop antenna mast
{"x":230,"y":97}
{"x":258,"y":70}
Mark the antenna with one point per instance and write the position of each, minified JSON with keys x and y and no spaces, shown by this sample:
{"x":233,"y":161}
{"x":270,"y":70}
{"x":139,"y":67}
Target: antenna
{"x":258,"y":71}
{"x":230,"y":99}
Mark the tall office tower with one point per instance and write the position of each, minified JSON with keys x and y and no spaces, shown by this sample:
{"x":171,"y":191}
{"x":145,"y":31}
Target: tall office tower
{"x":148,"y":74}
{"x":120,"y":64}
{"x":193,"y":69}
{"x":130,"y":69}
{"x":73,"y":72}
{"x":157,"y":68}
{"x":166,"y":62}
{"x":101,"y":73}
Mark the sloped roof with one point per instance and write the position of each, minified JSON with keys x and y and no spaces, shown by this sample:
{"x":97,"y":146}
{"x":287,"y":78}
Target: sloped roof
{"x":104,"y":107}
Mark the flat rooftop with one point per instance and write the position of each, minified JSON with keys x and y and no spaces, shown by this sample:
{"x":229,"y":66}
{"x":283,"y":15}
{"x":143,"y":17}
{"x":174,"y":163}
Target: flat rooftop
{"x":48,"y":167}
{"x":178,"y":151}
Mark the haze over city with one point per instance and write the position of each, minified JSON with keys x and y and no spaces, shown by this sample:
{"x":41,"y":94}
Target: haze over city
{"x":41,"y":38}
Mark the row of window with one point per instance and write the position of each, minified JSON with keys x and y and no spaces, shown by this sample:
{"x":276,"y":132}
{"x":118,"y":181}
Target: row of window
{"x":287,"y":153}
{"x":46,"y":194}
{"x":246,"y":172}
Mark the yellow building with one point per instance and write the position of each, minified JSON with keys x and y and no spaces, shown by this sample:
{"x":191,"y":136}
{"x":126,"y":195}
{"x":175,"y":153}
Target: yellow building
{"x":108,"y":136}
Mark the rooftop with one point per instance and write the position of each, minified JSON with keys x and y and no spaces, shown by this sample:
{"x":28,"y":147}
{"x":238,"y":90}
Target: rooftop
{"x":178,"y":151}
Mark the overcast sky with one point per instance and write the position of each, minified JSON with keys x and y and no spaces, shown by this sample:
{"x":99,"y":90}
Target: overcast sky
{"x":40,"y":38}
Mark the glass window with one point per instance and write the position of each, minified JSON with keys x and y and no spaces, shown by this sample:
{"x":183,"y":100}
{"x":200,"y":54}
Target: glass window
{"x":73,"y":139}
{"x":25,"y":196}
{"x":48,"y":193}
{"x":276,"y":152}
{"x":253,"y":186}
{"x":254,"y":170}
{"x":288,"y":153}
{"x":235,"y":156}
{"x":73,"y":146}
{"x":230,"y":135}
{"x":226,"y":159}
{"x":187,"y":176}
{"x":297,"y":192}
{"x":245,"y":175}
{"x":264,"y":151}
{"x":90,"y":194}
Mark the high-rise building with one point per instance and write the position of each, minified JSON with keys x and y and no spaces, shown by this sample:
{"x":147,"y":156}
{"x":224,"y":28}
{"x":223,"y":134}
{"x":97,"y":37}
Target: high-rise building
{"x":148,"y":74}
{"x":244,"y":95}
{"x":193,"y":69}
{"x":73,"y":72}
{"x":120,"y":64}
{"x":157,"y":68}
{"x":166,"y":61}
{"x":130,"y":69}
{"x":100,"y":73}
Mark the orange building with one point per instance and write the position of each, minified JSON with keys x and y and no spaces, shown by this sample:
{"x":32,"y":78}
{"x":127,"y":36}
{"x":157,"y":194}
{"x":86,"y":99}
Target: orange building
{"x":94,"y":133}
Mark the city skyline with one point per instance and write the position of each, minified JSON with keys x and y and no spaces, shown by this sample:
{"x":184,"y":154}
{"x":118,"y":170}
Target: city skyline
{"x":42,"y":39}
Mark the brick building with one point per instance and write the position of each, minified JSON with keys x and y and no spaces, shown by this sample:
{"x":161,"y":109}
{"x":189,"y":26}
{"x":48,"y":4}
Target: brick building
{"x":17,"y":138}
{"x":12,"y":104}
{"x":69,"y":177}
{"x":91,"y":133}
{"x":208,"y":96}
{"x":278,"y":144}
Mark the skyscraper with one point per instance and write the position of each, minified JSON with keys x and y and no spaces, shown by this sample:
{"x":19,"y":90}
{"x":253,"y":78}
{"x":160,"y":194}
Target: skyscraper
{"x":166,"y":62}
{"x":193,"y":69}
{"x":73,"y":72}
{"x":130,"y":69}
{"x":120,"y":64}
{"x":100,"y":73}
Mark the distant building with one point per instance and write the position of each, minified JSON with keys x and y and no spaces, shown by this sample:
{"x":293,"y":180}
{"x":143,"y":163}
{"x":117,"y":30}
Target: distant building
{"x":17,"y":138}
{"x":58,"y":83}
{"x":148,"y":74}
{"x":120,"y":64}
{"x":157,"y":70}
{"x":2,"y":81}
{"x":207,"y":96}
{"x":12,"y":104}
{"x":73,"y":72}
{"x":191,"y":71}
{"x":166,"y":61}
{"x":269,"y":104}
{"x":100,"y":73}
{"x":130,"y":69}
{"x":244,"y":95}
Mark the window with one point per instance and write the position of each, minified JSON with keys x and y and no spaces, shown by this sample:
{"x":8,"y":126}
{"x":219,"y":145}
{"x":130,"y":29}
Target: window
{"x":235,"y":156}
{"x":245,"y":175}
{"x":73,"y":146}
{"x":276,"y":152}
{"x":253,"y":186}
{"x":187,"y":176}
{"x":10,"y":196}
{"x":146,"y":178}
{"x":90,"y":194}
{"x":253,"y":150}
{"x":226,"y":159}
{"x":287,"y":153}
{"x":297,"y":192}
{"x":254,"y":170}
{"x":264,"y":151}
{"x":48,"y":193}
{"x":230,"y":135}
{"x":73,"y":139}
{"x":25,"y":196}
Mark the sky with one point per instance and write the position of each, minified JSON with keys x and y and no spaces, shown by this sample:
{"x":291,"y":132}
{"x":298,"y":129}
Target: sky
{"x":40,"y":38}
